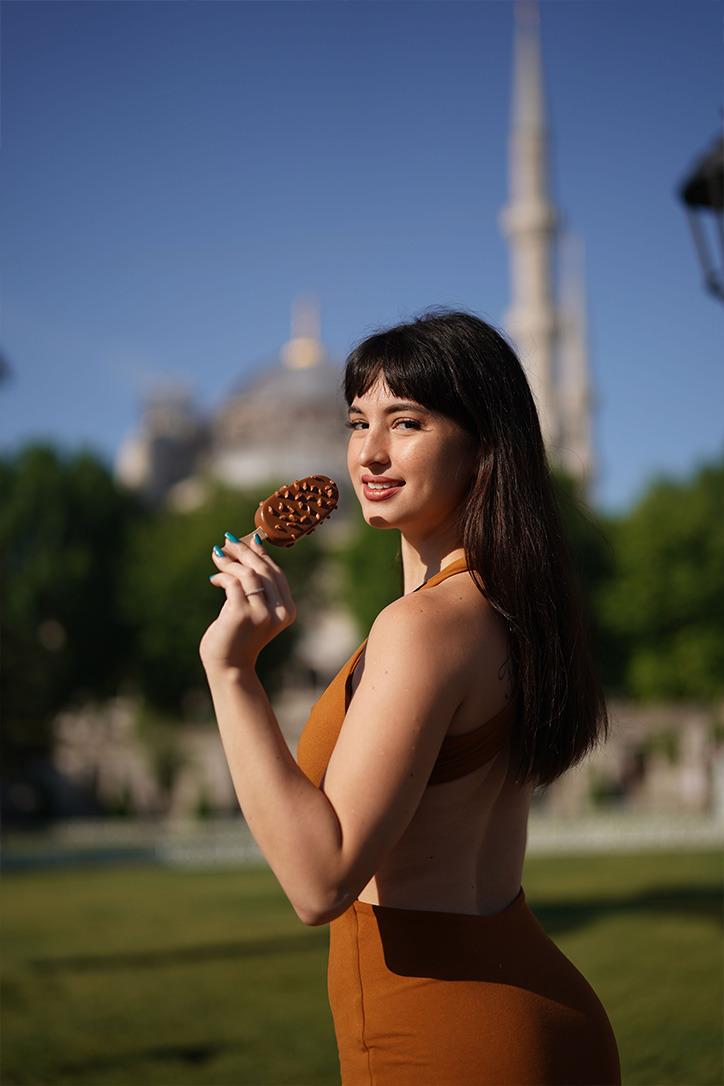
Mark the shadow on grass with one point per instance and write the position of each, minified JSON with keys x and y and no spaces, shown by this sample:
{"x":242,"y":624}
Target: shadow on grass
{"x":191,"y":955}
{"x":192,"y":1055}
{"x":704,"y":903}
{"x":555,"y":917}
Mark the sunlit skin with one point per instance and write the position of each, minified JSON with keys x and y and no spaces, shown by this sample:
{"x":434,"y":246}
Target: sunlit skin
{"x":411,"y":469}
{"x":434,"y":664}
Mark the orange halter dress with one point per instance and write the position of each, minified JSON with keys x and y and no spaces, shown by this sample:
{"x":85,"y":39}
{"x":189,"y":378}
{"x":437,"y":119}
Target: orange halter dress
{"x":423,"y":998}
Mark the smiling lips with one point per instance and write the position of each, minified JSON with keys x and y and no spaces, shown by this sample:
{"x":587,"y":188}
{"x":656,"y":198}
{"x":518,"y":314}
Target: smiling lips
{"x":377,"y":488}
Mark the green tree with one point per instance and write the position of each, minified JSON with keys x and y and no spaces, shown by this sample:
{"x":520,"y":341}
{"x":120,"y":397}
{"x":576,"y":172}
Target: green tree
{"x":168,"y":601}
{"x":371,"y":572}
{"x":62,"y":537}
{"x":665,"y":602}
{"x":590,"y":535}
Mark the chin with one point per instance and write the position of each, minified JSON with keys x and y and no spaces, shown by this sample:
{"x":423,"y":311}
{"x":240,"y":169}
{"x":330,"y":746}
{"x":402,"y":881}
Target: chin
{"x":375,"y":520}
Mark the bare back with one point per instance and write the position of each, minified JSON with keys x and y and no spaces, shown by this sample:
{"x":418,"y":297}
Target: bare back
{"x":464,"y":847}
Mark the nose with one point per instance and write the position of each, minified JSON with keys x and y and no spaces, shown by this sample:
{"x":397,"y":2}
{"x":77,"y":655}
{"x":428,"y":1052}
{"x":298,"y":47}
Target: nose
{"x":372,"y":449}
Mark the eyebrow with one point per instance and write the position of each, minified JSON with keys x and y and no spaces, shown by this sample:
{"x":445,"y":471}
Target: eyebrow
{"x":393,"y":408}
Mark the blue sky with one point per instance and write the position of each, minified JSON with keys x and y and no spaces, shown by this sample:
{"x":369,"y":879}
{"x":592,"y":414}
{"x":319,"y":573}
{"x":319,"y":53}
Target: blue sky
{"x":175,"y":173}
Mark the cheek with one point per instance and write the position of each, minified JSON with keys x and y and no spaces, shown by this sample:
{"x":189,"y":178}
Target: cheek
{"x":352,"y":464}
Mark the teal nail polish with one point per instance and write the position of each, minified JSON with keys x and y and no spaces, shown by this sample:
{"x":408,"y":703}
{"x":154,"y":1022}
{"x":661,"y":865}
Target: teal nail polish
{"x":231,"y":538}
{"x":212,"y":576}
{"x":256,"y":539}
{"x":219,"y":553}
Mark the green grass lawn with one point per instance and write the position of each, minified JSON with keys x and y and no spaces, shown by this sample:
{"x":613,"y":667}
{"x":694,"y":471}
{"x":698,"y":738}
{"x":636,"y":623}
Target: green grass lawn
{"x":148,"y":975}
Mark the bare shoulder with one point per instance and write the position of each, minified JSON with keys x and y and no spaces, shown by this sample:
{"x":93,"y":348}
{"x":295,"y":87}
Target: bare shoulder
{"x":449,"y":625}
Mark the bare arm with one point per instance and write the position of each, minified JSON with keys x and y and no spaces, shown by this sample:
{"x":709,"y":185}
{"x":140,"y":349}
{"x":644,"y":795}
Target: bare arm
{"x":324,"y":844}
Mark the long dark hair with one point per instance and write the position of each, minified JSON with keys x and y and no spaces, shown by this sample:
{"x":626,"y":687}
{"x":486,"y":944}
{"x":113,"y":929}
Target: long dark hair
{"x":514,"y":540}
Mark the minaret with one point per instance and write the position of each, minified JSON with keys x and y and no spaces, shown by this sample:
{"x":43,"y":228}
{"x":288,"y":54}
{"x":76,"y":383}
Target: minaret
{"x":575,"y":406}
{"x":549,"y":334}
{"x":529,"y":222}
{"x":304,"y":349}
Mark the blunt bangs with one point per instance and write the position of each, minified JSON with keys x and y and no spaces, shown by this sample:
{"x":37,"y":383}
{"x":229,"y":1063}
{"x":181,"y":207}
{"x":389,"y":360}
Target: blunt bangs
{"x":412,"y":367}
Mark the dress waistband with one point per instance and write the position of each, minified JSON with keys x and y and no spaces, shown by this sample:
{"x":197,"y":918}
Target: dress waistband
{"x":422,"y":916}
{"x":449,"y":946}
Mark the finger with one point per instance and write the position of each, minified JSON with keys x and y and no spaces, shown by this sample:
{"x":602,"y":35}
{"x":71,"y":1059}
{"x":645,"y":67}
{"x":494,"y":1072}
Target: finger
{"x":261,"y":590}
{"x":225,"y":563}
{"x":220,"y":558}
{"x":278,"y":593}
{"x":257,"y":544}
{"x":253,"y":583}
{"x":246,"y":550}
{"x":254,"y":538}
{"x":231,"y":585}
{"x":252,"y":557}
{"x":245,"y":539}
{"x":252,"y":603}
{"x":238,"y":553}
{"x":285,"y":595}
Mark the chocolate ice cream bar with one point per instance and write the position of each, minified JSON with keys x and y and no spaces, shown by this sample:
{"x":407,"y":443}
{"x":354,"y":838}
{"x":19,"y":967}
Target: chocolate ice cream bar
{"x":295,"y":510}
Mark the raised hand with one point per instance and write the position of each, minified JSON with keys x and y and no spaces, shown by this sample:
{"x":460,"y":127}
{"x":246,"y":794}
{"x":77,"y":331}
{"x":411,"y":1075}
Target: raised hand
{"x":258,"y":605}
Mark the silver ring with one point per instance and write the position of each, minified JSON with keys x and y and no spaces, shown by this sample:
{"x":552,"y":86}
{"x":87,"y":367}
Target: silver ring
{"x":254,"y":592}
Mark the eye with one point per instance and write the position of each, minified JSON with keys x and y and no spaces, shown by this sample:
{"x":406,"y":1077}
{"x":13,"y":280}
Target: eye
{"x":355,"y":424}
{"x":407,"y":424}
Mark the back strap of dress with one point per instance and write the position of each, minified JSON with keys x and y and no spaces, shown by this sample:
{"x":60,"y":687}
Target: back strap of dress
{"x":462,"y":754}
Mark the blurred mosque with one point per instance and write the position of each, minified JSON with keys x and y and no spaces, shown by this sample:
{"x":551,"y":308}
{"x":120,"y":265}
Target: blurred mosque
{"x":287,"y":421}
{"x":283,"y":424}
{"x":661,"y":759}
{"x":546,"y":318}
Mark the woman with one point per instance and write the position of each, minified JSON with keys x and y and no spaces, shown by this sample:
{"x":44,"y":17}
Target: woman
{"x":404,"y":823}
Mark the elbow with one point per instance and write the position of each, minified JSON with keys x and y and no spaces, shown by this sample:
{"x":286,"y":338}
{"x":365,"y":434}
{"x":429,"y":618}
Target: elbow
{"x":311,"y":917}
{"x":318,"y":919}
{"x":314,"y":910}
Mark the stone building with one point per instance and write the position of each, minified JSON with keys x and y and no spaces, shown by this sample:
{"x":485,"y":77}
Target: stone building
{"x":287,"y":420}
{"x":284,"y":423}
{"x":546,"y":318}
{"x":660,"y":760}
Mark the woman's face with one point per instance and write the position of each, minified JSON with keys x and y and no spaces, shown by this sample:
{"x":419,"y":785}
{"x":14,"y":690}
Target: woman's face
{"x":410,"y":467}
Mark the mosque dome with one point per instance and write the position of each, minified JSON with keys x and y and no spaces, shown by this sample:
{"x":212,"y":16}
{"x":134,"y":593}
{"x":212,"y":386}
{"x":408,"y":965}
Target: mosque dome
{"x":288,"y":421}
{"x":285,"y":424}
